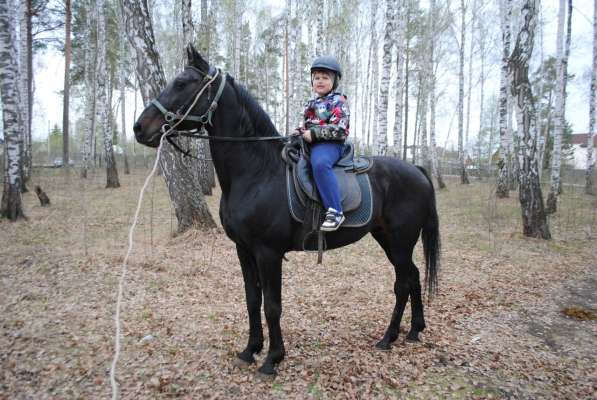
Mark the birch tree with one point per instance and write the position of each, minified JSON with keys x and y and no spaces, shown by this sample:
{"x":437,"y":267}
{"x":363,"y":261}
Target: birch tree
{"x":560,"y":120}
{"x":589,"y":184}
{"x":66,"y":91}
{"x":104,"y":103}
{"x":400,"y":27}
{"x":534,"y":218}
{"x":89,"y":44}
{"x":189,"y":205}
{"x":11,"y":206}
{"x":122,"y":86}
{"x":381,"y":133}
{"x":432,"y":80}
{"x":199,"y":166}
{"x":503,"y":184}
{"x":25,"y":74}
{"x":463,"y":172}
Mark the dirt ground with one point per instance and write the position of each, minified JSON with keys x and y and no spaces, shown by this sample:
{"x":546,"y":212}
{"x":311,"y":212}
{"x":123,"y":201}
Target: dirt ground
{"x":514,"y":317}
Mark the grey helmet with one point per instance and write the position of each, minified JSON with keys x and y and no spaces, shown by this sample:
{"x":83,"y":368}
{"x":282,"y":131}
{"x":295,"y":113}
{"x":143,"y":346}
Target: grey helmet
{"x":328,"y":63}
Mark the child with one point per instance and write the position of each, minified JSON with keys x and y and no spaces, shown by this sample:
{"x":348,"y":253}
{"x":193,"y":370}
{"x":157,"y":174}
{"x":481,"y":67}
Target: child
{"x":326,"y":123}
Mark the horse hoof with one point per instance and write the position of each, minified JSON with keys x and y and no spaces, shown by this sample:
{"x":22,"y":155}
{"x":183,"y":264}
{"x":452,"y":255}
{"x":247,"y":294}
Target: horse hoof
{"x":383,"y":346}
{"x":266,"y":373}
{"x":413,"y":337}
{"x":240,"y":363}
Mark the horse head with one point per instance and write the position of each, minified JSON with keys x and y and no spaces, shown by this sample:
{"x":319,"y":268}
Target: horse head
{"x":189,"y":101}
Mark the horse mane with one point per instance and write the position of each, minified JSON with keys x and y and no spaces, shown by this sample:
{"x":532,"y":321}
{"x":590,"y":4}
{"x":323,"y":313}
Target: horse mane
{"x":255,"y":121}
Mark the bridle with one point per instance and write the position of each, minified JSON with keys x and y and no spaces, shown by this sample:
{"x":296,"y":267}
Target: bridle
{"x":173,"y":119}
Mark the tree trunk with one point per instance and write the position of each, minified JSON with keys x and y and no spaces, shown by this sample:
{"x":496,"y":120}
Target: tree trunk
{"x":24,"y":74}
{"x":104,"y":104}
{"x":434,"y":161}
{"x":66,"y":94}
{"x":399,"y":82}
{"x":503,"y":183}
{"x":589,"y":184}
{"x":463,"y":173}
{"x":122,"y":85}
{"x":11,"y":205}
{"x":374,"y":99}
{"x":189,"y":203}
{"x":381,"y":134}
{"x":204,"y":38}
{"x":406,"y":78}
{"x":560,"y":120}
{"x":90,"y":82}
{"x":534,"y":218}
{"x":470,"y":75}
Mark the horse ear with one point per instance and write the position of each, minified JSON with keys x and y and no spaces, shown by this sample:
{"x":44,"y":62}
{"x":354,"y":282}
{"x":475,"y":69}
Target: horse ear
{"x":195,"y":59}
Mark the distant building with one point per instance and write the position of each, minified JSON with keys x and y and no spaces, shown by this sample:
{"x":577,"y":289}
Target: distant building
{"x":579,"y":145}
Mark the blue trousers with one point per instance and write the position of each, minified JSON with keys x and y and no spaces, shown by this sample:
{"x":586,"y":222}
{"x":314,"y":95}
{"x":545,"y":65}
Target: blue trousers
{"x":323,"y":156}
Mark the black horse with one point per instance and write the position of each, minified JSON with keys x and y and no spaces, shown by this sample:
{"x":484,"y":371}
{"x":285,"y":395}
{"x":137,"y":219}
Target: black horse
{"x":254,"y":205}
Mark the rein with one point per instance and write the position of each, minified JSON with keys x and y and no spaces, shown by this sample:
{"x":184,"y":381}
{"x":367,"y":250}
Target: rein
{"x":204,"y":119}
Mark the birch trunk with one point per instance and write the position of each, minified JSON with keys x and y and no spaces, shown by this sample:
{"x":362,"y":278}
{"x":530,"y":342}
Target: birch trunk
{"x":381,"y":133}
{"x":534,"y":218}
{"x":470,"y":74}
{"x":560,"y":120}
{"x":89,"y":77}
{"x":399,"y":82}
{"x":320,"y":45}
{"x":104,"y":104}
{"x":463,"y":173}
{"x":24,"y":27}
{"x":11,"y":206}
{"x":204,"y":39}
{"x":374,"y":93}
{"x":589,"y":184}
{"x":433,"y":147}
{"x":406,"y":78}
{"x":122,"y":86}
{"x":200,"y":167}
{"x":189,"y":205}
{"x":503,"y":184}
{"x":66,"y":92}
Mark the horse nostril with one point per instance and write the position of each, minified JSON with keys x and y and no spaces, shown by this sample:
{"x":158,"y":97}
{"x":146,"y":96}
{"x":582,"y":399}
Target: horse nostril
{"x":137,"y":128}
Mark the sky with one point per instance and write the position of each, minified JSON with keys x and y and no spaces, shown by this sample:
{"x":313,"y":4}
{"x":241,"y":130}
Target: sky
{"x":49,"y":68}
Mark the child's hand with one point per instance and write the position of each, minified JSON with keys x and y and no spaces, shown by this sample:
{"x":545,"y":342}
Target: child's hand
{"x":307,"y":135}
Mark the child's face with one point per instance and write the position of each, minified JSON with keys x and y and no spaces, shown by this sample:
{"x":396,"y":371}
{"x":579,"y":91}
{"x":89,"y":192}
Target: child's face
{"x":322,"y":82}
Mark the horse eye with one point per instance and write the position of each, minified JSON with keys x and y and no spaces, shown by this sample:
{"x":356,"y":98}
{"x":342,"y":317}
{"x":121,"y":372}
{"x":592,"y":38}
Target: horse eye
{"x":179,"y":84}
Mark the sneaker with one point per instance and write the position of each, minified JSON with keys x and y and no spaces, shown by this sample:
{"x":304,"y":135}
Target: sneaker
{"x":333,"y":220}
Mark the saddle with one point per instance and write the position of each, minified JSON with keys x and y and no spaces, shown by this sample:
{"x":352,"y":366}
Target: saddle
{"x":304,"y":201}
{"x":296,"y":155}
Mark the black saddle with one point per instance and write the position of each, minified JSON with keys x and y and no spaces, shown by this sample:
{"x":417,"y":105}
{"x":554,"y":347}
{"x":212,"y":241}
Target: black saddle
{"x":296,"y":154}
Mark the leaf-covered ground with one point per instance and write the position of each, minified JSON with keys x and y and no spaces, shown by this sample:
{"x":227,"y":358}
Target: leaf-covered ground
{"x":501,"y":326}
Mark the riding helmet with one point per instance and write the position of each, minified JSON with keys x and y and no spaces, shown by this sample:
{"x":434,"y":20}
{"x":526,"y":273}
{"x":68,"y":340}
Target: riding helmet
{"x":328,"y":63}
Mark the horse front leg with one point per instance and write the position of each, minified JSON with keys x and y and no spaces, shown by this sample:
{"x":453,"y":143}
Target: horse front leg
{"x":253,"y":297}
{"x":269,"y":265}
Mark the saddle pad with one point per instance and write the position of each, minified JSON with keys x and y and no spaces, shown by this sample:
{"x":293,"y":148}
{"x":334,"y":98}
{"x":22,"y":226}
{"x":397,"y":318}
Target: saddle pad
{"x":350,"y":192}
{"x":354,"y":219}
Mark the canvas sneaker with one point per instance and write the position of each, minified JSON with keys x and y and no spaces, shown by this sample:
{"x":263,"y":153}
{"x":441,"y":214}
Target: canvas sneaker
{"x":333,"y":220}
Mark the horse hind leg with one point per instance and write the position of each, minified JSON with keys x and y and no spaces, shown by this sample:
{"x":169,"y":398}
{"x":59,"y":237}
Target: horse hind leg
{"x":399,"y":252}
{"x":417,"y":322}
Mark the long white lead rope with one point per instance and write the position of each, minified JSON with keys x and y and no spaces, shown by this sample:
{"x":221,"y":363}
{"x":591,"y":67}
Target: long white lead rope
{"x":130,"y":248}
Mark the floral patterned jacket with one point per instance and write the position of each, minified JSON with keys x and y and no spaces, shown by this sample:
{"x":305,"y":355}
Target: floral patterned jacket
{"x":328,"y":117}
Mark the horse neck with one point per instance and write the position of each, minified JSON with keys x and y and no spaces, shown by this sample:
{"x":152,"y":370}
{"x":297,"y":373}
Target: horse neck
{"x":250,"y":162}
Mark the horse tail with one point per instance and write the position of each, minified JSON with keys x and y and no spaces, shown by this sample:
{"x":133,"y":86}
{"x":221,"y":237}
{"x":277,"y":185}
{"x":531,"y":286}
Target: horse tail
{"x":431,"y":241}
